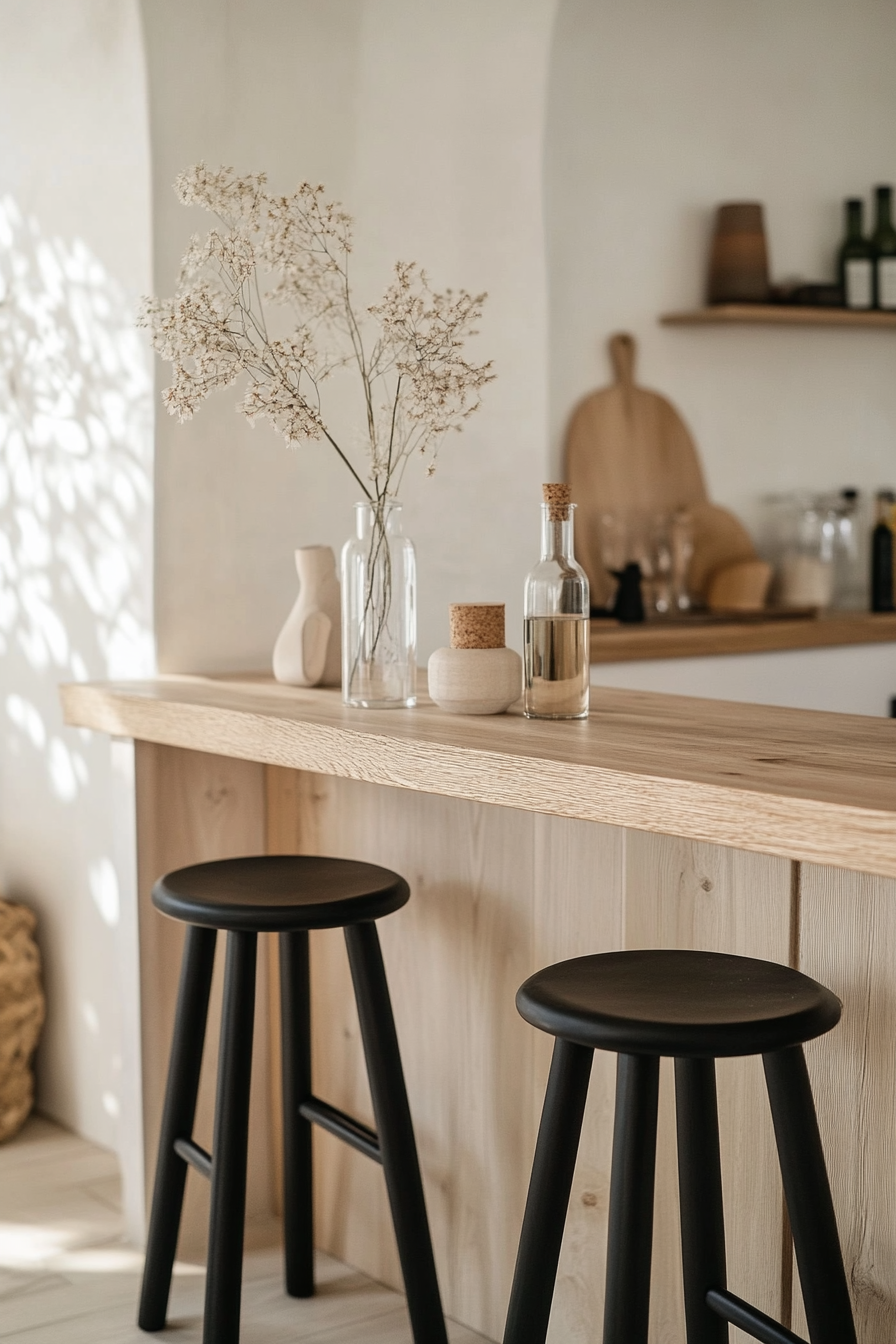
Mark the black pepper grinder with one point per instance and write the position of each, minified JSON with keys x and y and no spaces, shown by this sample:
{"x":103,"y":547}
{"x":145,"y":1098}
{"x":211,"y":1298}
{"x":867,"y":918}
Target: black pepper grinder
{"x":882,"y":554}
{"x":629,"y":604}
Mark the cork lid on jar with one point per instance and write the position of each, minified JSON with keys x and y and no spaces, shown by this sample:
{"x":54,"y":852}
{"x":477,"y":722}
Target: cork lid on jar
{"x":476,"y":625}
{"x":558,"y":498}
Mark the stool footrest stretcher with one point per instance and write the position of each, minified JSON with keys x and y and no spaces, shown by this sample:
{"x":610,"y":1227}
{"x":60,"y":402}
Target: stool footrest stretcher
{"x":749,"y":1318}
{"x":195,"y":1156}
{"x":343,"y":1126}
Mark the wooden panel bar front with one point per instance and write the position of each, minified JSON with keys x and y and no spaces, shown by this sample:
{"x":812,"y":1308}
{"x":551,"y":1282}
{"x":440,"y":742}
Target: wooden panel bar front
{"x":496,"y":893}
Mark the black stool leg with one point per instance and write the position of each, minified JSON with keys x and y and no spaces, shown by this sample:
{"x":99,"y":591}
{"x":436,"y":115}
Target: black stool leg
{"x":809,"y":1204}
{"x":223,"y":1284}
{"x":396,"y":1134}
{"x":630,"y":1241}
{"x":700,"y":1194}
{"x":548,"y":1199}
{"x":295,"y":1030}
{"x":177,"y":1123}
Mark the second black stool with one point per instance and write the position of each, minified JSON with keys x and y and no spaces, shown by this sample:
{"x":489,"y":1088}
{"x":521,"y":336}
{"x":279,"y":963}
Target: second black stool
{"x":696,"y":1007}
{"x":287,"y":895}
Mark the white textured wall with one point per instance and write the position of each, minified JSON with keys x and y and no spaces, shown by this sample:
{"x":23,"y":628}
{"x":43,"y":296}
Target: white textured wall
{"x":659,"y":109}
{"x":268,"y":86}
{"x":75,"y":518}
{"x":451,"y":133}
{"x":427,"y":120}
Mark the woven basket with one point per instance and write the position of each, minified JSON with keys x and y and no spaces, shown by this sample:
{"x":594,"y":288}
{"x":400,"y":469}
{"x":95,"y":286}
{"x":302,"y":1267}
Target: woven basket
{"x":22,"y":1011}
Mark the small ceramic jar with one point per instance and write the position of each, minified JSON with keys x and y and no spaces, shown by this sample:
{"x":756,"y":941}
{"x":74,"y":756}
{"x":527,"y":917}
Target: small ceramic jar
{"x":477,"y":674}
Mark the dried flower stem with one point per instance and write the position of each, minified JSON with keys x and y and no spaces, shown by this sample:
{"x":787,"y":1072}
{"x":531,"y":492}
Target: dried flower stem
{"x":415,"y":382}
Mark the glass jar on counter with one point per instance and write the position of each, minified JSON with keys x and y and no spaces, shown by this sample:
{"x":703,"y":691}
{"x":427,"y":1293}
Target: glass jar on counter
{"x":816,"y":544}
{"x":661,"y":545}
{"x":850,"y":557}
{"x":800,"y":542}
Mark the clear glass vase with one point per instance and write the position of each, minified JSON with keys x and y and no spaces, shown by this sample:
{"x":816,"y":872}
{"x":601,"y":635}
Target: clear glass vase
{"x":379,"y":611}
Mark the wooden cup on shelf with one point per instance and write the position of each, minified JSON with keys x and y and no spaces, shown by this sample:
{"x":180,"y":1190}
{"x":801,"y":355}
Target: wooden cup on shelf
{"x":738,"y":267}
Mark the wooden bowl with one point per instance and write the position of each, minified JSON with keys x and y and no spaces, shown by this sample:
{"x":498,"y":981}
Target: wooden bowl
{"x":740,"y":587}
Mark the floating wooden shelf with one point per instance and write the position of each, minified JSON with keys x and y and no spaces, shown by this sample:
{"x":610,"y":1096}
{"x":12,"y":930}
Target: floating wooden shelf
{"x":612,"y":643}
{"x":776,"y":315}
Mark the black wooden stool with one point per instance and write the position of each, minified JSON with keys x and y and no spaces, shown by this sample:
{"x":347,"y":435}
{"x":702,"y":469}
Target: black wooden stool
{"x":696,"y":1007}
{"x":287,"y":895}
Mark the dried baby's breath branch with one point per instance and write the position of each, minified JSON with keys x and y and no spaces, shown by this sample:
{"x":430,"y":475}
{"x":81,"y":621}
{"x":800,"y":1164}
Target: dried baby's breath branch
{"x":416,"y":382}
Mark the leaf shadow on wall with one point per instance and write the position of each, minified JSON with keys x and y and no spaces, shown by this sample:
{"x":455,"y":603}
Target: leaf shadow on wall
{"x":75,"y":602}
{"x":75,"y":484}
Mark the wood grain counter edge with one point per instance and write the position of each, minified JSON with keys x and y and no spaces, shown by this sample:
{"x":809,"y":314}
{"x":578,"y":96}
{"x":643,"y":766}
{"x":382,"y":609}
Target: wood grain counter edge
{"x":801,"y":828}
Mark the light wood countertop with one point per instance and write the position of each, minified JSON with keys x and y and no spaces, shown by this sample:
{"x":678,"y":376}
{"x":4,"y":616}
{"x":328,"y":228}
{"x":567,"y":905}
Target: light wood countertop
{"x":614,"y":643}
{"x":796,"y":783}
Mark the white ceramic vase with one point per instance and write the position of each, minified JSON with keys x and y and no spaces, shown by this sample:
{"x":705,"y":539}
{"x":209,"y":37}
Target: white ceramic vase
{"x":308,"y":651}
{"x":477,"y":674}
{"x":475,"y":681}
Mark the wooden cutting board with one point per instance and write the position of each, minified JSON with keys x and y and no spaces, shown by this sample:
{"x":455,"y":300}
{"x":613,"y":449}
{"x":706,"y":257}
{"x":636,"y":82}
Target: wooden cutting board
{"x":630,"y":454}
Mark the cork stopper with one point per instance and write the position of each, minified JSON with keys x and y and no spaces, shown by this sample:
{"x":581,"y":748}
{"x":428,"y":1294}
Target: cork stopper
{"x":477,"y":625}
{"x":557,"y":497}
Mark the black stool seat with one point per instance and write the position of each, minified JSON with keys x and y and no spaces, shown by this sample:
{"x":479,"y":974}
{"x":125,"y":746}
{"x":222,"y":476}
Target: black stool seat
{"x":695,"y":1005}
{"x":274,"y":893}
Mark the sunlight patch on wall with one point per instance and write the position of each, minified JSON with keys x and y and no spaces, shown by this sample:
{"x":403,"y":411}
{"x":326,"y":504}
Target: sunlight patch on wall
{"x":111,"y":1105}
{"x":27,"y":719}
{"x":75,"y":594}
{"x":75,"y":486}
{"x":104,"y":890}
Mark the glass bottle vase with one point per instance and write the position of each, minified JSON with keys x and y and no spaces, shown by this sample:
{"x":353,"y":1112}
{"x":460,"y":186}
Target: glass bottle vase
{"x":379,"y":611}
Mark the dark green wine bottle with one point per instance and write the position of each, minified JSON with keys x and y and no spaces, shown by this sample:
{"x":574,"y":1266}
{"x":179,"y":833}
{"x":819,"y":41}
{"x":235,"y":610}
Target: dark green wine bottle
{"x":856,"y":261}
{"x":883,"y":242}
{"x":882,"y":554}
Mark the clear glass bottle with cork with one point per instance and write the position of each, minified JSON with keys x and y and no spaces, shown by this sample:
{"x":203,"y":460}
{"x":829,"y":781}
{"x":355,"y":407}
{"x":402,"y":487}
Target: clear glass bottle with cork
{"x":556,"y":624}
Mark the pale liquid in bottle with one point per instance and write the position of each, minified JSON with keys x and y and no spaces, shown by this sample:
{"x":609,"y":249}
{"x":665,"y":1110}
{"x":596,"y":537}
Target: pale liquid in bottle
{"x":557,"y":665}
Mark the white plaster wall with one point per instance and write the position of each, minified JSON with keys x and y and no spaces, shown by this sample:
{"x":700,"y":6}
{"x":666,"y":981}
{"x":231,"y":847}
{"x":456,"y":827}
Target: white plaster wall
{"x":658,"y":110}
{"x":427,"y":120}
{"x":75,"y":519}
{"x":268,"y":86}
{"x":450,"y":172}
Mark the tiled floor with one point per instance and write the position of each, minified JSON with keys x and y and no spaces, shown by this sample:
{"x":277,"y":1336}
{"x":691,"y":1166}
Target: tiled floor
{"x":67,"y":1277}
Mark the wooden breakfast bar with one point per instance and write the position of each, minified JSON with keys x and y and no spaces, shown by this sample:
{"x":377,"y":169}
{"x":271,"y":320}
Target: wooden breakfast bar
{"x":659,"y":821}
